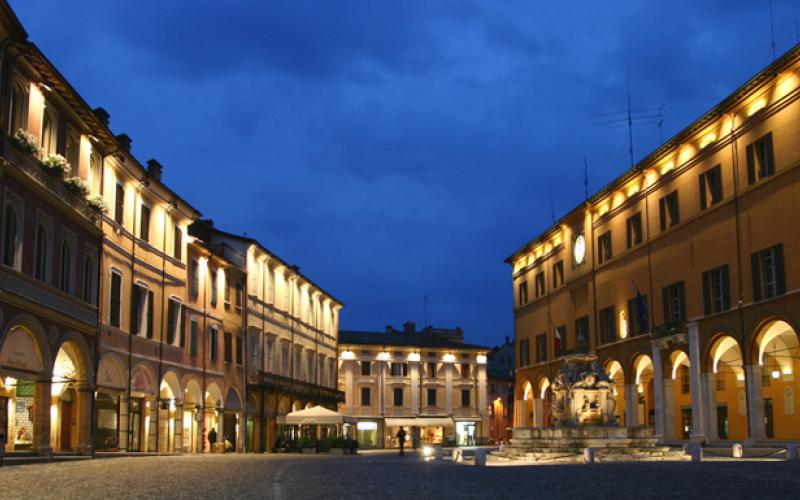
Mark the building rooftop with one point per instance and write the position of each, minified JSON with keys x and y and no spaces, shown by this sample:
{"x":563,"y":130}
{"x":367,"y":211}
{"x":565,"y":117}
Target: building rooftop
{"x":428,"y":337}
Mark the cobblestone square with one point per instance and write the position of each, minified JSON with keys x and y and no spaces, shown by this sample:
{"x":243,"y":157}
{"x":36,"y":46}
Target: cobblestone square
{"x":388,"y":476}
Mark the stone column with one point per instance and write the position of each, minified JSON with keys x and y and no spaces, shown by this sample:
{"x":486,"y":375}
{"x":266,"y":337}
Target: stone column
{"x":124,"y":433}
{"x":698,"y":401}
{"x":414,"y":368}
{"x":660,"y":405}
{"x":709,"y":381}
{"x":42,"y":395}
{"x":85,"y":393}
{"x":178,"y":444}
{"x":667,"y":411}
{"x":755,"y":404}
{"x":538,"y":412}
{"x":631,"y":406}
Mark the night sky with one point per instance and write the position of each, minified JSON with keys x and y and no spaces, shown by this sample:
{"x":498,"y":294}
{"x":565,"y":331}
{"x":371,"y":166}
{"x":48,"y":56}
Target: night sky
{"x":398,"y":149}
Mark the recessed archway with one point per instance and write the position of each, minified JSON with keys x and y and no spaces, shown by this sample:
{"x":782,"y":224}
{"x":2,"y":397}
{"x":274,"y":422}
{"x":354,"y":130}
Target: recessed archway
{"x":617,"y":375}
{"x":643,"y":380}
{"x":778,"y":352}
{"x":730,"y":400}
{"x":680,"y":373}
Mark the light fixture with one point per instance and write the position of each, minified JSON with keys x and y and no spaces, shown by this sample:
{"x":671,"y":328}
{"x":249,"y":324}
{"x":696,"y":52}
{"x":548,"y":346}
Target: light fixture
{"x":45,"y":86}
{"x":776,"y":374}
{"x":427,"y":451}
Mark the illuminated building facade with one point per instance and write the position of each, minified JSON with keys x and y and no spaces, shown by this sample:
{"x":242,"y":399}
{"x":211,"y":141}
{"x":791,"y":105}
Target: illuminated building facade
{"x":500,"y":372}
{"x":429,"y":383}
{"x":291,"y":335}
{"x":683,"y":275}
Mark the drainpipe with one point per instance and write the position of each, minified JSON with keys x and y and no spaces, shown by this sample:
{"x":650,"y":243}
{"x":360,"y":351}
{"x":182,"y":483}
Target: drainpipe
{"x":163,"y":321}
{"x":131,"y":334}
{"x":205,"y":355}
{"x":245,"y":306}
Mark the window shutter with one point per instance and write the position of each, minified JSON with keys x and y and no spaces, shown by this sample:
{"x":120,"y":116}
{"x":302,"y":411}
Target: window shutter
{"x":751,"y":164}
{"x":703,"y":200}
{"x":779,"y":274}
{"x":665,"y":292}
{"x":707,"y":293}
{"x":171,"y":322}
{"x":135,"y":301}
{"x":150,"y":307}
{"x":182,"y":331}
{"x":769,"y":166}
{"x":662,"y":208}
{"x":682,"y":298}
{"x":726,"y":288}
{"x":755,"y":265}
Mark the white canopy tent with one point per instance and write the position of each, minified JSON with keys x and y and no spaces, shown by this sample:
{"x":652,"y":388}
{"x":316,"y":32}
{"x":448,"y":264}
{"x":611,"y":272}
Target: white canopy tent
{"x":316,"y":415}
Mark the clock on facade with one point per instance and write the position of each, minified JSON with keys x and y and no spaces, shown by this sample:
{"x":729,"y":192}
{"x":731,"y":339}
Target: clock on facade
{"x":579,"y":249}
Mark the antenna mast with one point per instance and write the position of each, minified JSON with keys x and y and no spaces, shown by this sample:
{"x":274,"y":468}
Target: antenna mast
{"x":585,"y":179}
{"x":425,"y":310}
{"x":630,"y":118}
{"x":772,"y":29}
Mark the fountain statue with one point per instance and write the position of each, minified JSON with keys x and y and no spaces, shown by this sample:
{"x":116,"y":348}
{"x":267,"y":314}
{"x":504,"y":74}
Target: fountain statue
{"x":582,"y":394}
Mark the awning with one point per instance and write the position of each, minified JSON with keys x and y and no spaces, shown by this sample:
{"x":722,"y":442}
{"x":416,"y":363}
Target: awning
{"x":419,"y":422}
{"x":316,"y":415}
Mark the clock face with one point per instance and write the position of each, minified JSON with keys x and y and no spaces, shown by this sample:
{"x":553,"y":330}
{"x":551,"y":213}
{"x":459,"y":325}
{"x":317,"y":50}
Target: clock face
{"x":579,"y":249}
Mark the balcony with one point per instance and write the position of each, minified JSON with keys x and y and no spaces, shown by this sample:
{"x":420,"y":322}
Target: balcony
{"x":670,"y":335}
{"x":288,"y":386}
{"x":30,"y":165}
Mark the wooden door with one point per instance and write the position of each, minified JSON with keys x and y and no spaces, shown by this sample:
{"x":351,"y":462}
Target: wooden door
{"x":66,"y":425}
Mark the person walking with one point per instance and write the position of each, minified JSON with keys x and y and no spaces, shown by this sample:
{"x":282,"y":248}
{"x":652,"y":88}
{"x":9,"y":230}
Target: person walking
{"x":415,"y":438}
{"x":212,"y":439}
{"x":401,"y":436}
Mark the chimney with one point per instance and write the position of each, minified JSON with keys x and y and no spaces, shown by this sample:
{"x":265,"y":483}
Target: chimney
{"x":124,"y":141}
{"x":389,"y":329}
{"x":154,"y":168}
{"x":102,"y":115}
{"x":409,"y":327}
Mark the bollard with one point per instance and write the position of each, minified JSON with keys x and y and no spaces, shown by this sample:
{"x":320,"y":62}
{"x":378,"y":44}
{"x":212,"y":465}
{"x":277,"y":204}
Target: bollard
{"x":738,"y":451}
{"x":588,"y":455}
{"x":687,"y":448}
{"x":480,"y":457}
{"x":697,"y":453}
{"x":791,"y":452}
{"x":457,"y":455}
{"x":438,"y":452}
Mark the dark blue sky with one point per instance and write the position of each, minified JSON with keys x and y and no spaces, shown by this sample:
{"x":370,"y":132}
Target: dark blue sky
{"x":401,"y":149}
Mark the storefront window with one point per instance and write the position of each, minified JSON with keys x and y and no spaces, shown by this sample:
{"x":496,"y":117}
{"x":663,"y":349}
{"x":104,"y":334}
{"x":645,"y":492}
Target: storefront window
{"x":107,"y":421}
{"x":465,"y":433}
{"x":367,"y":434}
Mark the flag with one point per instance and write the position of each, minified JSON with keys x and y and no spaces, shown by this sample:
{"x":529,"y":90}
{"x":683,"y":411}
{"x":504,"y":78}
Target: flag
{"x":641,"y":309}
{"x":558,"y":341}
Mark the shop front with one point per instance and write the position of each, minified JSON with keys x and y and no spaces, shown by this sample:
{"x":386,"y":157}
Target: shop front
{"x":431,"y":430}
{"x":367,"y":433}
{"x":468,"y":432}
{"x":108,"y":404}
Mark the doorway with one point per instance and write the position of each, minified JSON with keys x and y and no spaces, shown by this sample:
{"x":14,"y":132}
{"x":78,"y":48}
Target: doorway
{"x":136,"y":408}
{"x":722,"y":421}
{"x":67,"y":418}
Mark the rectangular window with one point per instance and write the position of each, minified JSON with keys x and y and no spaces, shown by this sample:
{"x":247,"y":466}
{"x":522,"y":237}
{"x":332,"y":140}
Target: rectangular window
{"x":115,"y":305}
{"x":194,"y":278}
{"x":239,"y":350}
{"x":465,"y":370}
{"x":284,"y":359}
{"x":541,"y":347}
{"x":398,"y":396}
{"x":214,"y":342}
{"x":674,"y":303}
{"x":228,"y":353}
{"x":177,"y":242}
{"x":465,"y":398}
{"x":560,"y":340}
{"x":523,"y":293}
{"x":760,"y":159}
{"x":238,"y":297}
{"x":710,"y":187}
{"x":366,"y":396}
{"x":582,"y":332}
{"x":431,"y":397}
{"x":634,"y":230}
{"x":226,"y":287}
{"x":212,"y":277}
{"x":431,"y":369}
{"x":174,"y":322}
{"x":524,"y":352}
{"x":604,"y":247}
{"x":540,"y":284}
{"x":769,"y":279}
{"x":193,"y":338}
{"x":366,"y":368}
{"x":269,"y":355}
{"x":637,"y":315}
{"x":144,"y":223}
{"x":558,"y":274}
{"x":668,"y":210}
{"x":119,"y":204}
{"x":716,"y":290}
{"x":608,"y":325}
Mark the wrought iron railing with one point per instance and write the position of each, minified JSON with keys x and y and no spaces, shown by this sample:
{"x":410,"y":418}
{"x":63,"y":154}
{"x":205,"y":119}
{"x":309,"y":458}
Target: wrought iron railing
{"x":305,"y":390}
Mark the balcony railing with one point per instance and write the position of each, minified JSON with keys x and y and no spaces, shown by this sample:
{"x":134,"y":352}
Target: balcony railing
{"x":29,"y":164}
{"x":304,"y":390}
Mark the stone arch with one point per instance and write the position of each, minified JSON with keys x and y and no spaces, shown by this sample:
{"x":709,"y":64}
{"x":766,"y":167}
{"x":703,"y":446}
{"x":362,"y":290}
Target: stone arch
{"x":233,"y":400}
{"x":213,"y":396}
{"x":521,"y":385}
{"x":170,"y":386}
{"x":284,"y":405}
{"x":616,"y":373}
{"x":78,"y":349}
{"x":759,"y":327}
{"x":110,"y":374}
{"x":726,"y":369}
{"x":641,"y":375}
{"x":36,"y":345}
{"x":142,"y":380}
{"x":192,"y":394}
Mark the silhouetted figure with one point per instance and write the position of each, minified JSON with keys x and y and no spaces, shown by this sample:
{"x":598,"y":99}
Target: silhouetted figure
{"x":415,"y":438}
{"x":401,"y":436}
{"x":212,"y":438}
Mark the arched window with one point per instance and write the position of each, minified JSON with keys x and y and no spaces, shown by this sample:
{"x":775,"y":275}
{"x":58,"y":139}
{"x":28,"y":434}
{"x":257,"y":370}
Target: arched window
{"x":40,"y":260}
{"x":19,"y":98}
{"x":94,"y":173}
{"x":48,"y":133}
{"x":72,"y":152}
{"x":10,"y":237}
{"x":88,"y":280}
{"x":66,"y":268}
